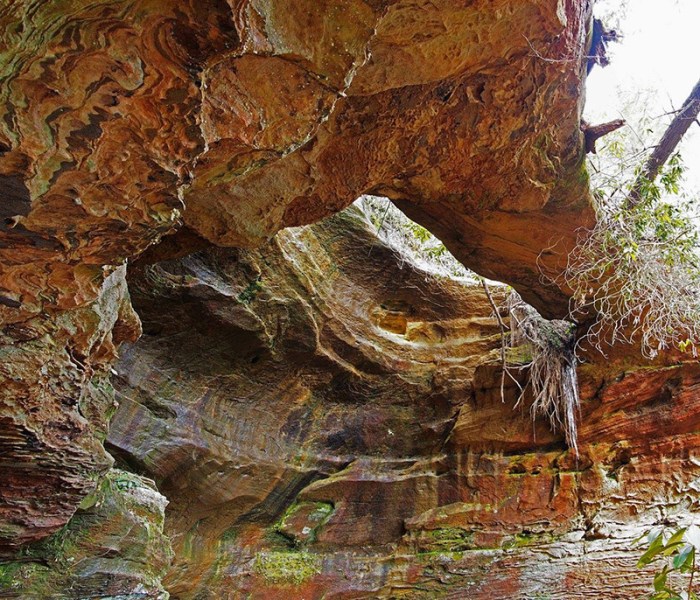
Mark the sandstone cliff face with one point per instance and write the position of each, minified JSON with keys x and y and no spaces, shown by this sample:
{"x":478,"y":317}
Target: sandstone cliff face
{"x":113,"y":547}
{"x":313,"y":355}
{"x":57,"y":400}
{"x":122,"y":120}
{"x":324,"y":420}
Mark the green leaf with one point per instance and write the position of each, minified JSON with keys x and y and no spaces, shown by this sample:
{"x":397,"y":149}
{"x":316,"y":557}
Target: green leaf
{"x":672,"y":548}
{"x":646,"y":534}
{"x":684,"y":558}
{"x":677,"y":537}
{"x":655,"y":548}
{"x":660,"y":580}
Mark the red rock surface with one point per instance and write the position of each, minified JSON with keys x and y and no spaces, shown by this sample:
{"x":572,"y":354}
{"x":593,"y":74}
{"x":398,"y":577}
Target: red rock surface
{"x":324,"y":423}
{"x":56,"y":402}
{"x":121,"y":120}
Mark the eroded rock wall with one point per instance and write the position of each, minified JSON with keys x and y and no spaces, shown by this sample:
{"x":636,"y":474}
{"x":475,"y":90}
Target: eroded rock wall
{"x":120,"y":120}
{"x":56,"y":401}
{"x":326,"y":421}
{"x":310,"y":354}
{"x":124,"y":121}
{"x":113,"y":547}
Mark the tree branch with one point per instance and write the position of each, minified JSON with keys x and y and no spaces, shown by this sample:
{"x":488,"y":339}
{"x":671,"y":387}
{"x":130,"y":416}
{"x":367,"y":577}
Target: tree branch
{"x":592,"y":132}
{"x":669,"y":140}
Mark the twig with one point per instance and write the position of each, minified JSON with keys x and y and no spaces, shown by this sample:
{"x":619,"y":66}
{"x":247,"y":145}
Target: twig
{"x":692,"y":572}
{"x":504,"y":362}
{"x":591,"y":133}
{"x":544,"y":58}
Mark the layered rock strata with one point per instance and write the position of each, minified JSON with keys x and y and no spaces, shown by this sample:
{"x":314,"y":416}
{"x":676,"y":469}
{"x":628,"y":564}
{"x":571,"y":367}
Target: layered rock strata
{"x":119,"y":120}
{"x":113,"y":547}
{"x":323,"y":422}
{"x":56,"y":401}
{"x":123,"y":120}
{"x":326,"y":421}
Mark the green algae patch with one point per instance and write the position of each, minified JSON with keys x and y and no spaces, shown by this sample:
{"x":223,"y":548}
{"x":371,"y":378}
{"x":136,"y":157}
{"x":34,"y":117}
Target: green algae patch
{"x":114,"y":543}
{"x":445,"y":540}
{"x":287,"y":568}
{"x":527,"y":538}
{"x":24,"y":578}
{"x":301,"y":522}
{"x":518,"y":355}
{"x":8,"y":574}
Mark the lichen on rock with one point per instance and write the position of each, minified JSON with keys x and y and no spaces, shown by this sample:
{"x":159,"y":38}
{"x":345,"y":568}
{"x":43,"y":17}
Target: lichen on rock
{"x":323,"y":418}
{"x":113,"y":546}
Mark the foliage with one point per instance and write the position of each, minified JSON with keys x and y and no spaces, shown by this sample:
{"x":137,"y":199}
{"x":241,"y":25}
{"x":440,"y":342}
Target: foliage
{"x":636,"y":272}
{"x":420,"y":247}
{"x":678,"y":550}
{"x":251,"y":290}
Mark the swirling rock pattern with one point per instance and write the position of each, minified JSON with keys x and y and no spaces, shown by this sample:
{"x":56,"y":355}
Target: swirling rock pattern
{"x":121,"y":119}
{"x":326,"y":421}
{"x":300,"y":364}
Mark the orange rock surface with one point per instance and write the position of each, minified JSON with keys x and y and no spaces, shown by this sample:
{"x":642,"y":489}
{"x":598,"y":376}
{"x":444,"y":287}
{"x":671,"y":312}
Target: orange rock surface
{"x":324,"y":420}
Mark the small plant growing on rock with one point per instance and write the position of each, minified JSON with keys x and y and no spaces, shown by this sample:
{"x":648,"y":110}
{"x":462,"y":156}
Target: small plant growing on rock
{"x":678,"y":550}
{"x":637,"y":270}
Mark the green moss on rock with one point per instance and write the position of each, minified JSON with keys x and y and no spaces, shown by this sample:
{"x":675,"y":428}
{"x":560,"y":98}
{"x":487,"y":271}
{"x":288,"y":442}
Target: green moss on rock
{"x":301,"y":522}
{"x":113,"y":547}
{"x":287,"y":567}
{"x":445,"y":540}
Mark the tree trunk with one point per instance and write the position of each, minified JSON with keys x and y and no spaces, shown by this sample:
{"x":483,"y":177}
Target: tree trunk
{"x":670,"y":139}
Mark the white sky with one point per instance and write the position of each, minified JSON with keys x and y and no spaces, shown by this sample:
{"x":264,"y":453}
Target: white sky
{"x":660,"y":51}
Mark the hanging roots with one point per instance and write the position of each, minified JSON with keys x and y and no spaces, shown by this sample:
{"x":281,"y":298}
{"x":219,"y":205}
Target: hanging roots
{"x":552,"y":369}
{"x":647,"y":294}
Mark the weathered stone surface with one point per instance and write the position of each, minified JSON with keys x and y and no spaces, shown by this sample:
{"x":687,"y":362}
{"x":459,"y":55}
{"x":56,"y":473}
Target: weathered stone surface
{"x":55,"y":402}
{"x":288,"y":375}
{"x":119,"y":119}
{"x":122,"y":120}
{"x":432,"y":111}
{"x":327,"y":422}
{"x":113,"y":547}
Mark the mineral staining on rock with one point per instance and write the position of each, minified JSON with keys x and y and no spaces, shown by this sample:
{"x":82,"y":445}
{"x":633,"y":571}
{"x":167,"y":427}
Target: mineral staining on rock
{"x":57,"y":399}
{"x":308,"y":443}
{"x":323,"y":419}
{"x":280,"y":388}
{"x":114,"y":546}
{"x":122,"y":120}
